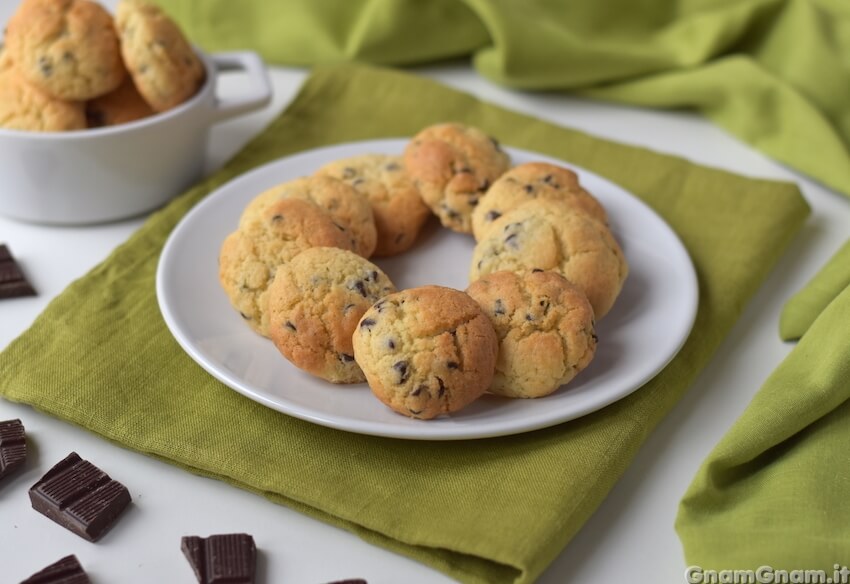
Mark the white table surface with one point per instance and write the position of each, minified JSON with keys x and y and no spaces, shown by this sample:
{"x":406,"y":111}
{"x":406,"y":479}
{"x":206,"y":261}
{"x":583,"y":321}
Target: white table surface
{"x":632,"y":532}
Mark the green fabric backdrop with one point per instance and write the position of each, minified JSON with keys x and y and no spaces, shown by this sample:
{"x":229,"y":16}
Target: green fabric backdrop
{"x":775,"y":73}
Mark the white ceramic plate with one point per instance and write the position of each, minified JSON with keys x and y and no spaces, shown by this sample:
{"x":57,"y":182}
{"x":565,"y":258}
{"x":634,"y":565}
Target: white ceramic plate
{"x":645,"y":329}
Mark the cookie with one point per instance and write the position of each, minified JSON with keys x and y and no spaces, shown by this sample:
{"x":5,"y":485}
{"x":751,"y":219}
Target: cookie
{"x":66,"y":48}
{"x":251,"y":255}
{"x":549,"y":235}
{"x":398,"y":209}
{"x":164,"y":67}
{"x":121,"y":106}
{"x":453,"y":165}
{"x":24,"y":107}
{"x":315,"y":303}
{"x":526,"y":182}
{"x":426,"y":351}
{"x":348,"y":208}
{"x":545,"y":328}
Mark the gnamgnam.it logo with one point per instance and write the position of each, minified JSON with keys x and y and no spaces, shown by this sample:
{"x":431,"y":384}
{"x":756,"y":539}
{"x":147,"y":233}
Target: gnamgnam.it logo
{"x":768,"y":575}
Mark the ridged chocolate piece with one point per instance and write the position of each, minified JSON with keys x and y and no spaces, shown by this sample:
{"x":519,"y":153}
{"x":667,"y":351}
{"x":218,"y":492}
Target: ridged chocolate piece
{"x":80,"y":497}
{"x":221,"y":559}
{"x":12,"y":281}
{"x":66,"y":571}
{"x":13,"y":446}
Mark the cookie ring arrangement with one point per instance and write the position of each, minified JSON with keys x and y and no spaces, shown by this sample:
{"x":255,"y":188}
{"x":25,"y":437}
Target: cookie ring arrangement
{"x":544,"y":268}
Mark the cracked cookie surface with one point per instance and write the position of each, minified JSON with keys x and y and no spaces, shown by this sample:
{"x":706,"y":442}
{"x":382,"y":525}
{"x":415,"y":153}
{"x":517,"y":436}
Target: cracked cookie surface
{"x":426,"y":351}
{"x":548,"y":235}
{"x":530,"y":181}
{"x":161,"y":61}
{"x":453,"y":165}
{"x":348,"y":208}
{"x":66,"y":48}
{"x":398,"y":209}
{"x":545,"y":328}
{"x":25,"y":107}
{"x":315,"y":303}
{"x":251,"y":255}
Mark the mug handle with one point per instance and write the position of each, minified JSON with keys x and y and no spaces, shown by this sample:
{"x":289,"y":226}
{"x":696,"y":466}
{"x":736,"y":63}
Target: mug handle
{"x":251,"y":64}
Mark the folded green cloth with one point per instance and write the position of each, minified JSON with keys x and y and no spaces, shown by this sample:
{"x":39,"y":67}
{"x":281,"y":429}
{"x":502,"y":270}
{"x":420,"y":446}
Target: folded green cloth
{"x":774,"y":491}
{"x":483,"y":511}
{"x":801,"y":311}
{"x":775,"y":73}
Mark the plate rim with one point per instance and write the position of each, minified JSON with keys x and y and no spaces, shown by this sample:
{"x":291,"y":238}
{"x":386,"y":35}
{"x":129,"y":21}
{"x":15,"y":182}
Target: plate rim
{"x":447,"y":433}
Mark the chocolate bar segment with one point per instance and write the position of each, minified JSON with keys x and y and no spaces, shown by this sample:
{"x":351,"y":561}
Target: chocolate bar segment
{"x":12,"y":281}
{"x":218,"y":559}
{"x":13,"y":446}
{"x":66,"y":571}
{"x":80,"y":497}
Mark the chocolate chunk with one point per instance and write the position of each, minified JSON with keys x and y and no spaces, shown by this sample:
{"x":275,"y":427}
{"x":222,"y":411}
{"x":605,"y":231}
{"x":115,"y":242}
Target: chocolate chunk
{"x":511,"y":241}
{"x":348,"y":172}
{"x":452,"y":365}
{"x":80,"y":497}
{"x":390,"y":344}
{"x":346,"y":358}
{"x":46,"y":66}
{"x":290,"y":326}
{"x":358,"y":285}
{"x":499,"y":307}
{"x":13,"y":446}
{"x":392,"y":166}
{"x":492,"y":215}
{"x":13,"y":284}
{"x":403,"y":371}
{"x":528,"y":189}
{"x":229,"y":558}
{"x":535,"y":270}
{"x":442,"y":390}
{"x":66,"y":571}
{"x":367,"y":323}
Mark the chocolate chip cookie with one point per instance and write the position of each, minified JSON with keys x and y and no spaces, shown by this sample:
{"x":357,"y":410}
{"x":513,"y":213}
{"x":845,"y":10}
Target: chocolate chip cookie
{"x":251,"y":255}
{"x":398,"y":209}
{"x":545,"y":328}
{"x":66,"y":48}
{"x":453,"y":165}
{"x":549,"y":235}
{"x":315,"y":303}
{"x":348,"y":208}
{"x":164,"y":67}
{"x":426,"y":351}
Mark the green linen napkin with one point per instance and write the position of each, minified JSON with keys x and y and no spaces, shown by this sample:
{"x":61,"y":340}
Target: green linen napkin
{"x":802,"y":310}
{"x":483,"y":511}
{"x":774,"y":491}
{"x":775,"y":73}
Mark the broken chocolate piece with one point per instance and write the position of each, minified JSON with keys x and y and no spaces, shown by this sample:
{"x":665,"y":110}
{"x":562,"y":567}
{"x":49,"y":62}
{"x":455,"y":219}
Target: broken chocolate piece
{"x":66,"y":571}
{"x":80,"y":497}
{"x":13,"y":284}
{"x":13,"y":446}
{"x":230,"y":557}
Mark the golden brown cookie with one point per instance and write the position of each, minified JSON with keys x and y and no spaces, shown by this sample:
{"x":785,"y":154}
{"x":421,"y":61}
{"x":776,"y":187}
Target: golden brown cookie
{"x":526,"y":182}
{"x":24,"y":107}
{"x":549,"y":235}
{"x":453,"y":165}
{"x":545,"y":328}
{"x":398,"y":209}
{"x":426,"y":351}
{"x":161,"y":61}
{"x":66,"y":48}
{"x":348,"y":208}
{"x":250,"y":256}
{"x":121,"y":106}
{"x":315,"y":303}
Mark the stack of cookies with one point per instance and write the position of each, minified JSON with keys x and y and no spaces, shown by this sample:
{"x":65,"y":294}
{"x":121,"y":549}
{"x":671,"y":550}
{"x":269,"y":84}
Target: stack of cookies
{"x":67,"y":65}
{"x":544,"y":268}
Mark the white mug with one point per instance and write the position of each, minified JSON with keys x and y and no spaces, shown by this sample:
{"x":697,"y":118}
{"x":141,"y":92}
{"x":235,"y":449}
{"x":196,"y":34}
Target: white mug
{"x":104,"y":174}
